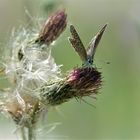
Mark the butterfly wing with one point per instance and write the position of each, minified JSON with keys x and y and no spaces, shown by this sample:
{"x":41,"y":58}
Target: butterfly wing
{"x":94,"y":43}
{"x":77,"y":44}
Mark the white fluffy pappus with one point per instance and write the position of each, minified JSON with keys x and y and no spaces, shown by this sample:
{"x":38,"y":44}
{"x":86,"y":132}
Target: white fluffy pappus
{"x":36,"y":66}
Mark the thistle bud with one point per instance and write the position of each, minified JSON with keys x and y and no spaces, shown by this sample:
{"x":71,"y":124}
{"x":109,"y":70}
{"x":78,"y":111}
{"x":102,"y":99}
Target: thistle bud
{"x":53,"y":27}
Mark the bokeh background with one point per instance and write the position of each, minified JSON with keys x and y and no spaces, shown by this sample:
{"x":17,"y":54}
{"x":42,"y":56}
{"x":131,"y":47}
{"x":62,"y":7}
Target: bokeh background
{"x":117,"y":112}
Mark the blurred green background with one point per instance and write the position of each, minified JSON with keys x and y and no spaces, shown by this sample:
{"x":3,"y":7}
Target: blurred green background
{"x":117,"y":112}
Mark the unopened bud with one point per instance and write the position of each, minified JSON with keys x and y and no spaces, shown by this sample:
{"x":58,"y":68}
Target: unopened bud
{"x":53,"y":27}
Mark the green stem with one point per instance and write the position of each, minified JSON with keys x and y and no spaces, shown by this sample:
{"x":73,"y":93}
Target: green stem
{"x":32,"y":123}
{"x":30,"y":133}
{"x":23,"y":136}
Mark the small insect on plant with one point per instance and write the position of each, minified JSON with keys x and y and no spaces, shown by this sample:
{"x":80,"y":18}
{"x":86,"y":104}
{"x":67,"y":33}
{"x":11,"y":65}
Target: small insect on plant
{"x":36,"y":81}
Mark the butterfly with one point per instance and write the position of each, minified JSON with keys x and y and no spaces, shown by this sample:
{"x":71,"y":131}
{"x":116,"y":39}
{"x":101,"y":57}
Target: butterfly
{"x":86,"y":55}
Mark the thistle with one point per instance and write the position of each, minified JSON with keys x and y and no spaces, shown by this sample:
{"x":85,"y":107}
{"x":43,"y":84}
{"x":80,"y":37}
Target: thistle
{"x":53,"y":27}
{"x":36,"y":80}
{"x":80,"y":82}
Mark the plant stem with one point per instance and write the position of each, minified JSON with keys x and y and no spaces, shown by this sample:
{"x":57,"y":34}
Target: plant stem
{"x":23,"y":136}
{"x":30,"y":133}
{"x":32,"y":123}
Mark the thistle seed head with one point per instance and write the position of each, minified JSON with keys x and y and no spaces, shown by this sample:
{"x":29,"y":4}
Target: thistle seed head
{"x":22,"y":113}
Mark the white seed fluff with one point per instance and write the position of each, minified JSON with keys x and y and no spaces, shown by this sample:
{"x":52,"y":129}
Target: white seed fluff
{"x":36,"y":67}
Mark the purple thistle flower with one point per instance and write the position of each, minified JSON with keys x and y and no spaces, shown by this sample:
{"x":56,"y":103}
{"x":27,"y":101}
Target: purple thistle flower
{"x":86,"y":80}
